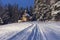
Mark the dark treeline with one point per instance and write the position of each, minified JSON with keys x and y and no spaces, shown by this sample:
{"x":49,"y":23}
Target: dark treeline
{"x":12,"y":14}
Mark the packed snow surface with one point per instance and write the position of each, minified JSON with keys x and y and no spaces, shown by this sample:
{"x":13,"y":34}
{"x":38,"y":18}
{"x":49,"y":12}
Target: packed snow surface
{"x":30,"y":31}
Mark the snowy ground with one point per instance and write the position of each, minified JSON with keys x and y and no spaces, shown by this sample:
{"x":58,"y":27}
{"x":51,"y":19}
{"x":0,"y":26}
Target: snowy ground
{"x":30,"y":31}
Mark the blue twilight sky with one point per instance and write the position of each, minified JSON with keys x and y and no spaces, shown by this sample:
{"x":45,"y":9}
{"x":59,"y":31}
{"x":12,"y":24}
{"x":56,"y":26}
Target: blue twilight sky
{"x":23,"y":3}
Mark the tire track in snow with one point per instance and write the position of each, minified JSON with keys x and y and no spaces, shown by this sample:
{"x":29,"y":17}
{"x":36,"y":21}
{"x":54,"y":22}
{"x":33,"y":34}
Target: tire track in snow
{"x":37,"y":31}
{"x":23,"y":34}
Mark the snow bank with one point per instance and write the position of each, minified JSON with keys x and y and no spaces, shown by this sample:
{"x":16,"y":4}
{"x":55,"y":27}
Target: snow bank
{"x":31,"y":31}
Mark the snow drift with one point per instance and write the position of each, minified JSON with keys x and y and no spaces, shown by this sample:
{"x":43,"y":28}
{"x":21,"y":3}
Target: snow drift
{"x":31,"y":31}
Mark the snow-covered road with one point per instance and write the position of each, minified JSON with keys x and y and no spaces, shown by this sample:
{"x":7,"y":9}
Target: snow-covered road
{"x":30,"y":31}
